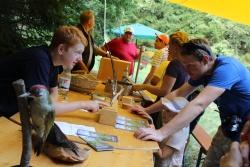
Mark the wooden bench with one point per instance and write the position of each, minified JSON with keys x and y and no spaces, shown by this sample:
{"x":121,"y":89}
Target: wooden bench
{"x":203,"y":139}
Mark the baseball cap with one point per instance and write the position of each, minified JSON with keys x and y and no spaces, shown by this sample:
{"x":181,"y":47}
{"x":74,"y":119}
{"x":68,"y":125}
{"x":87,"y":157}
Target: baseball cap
{"x":129,"y":29}
{"x":163,"y":37}
{"x":176,"y":104}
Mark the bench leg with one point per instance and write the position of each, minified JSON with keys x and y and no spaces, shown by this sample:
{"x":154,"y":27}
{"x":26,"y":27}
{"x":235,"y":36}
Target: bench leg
{"x":199,"y":158}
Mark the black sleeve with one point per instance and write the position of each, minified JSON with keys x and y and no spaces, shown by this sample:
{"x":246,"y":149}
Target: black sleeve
{"x":54,"y":76}
{"x":37,"y":70}
{"x":172,"y":69}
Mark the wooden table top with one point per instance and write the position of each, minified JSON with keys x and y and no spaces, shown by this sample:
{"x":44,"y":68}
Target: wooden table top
{"x":129,"y":151}
{"x":11,"y":148}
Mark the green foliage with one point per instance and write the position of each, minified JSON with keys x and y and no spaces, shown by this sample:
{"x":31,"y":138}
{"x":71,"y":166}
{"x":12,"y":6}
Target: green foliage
{"x":222,"y":48}
{"x":29,"y":22}
{"x":115,"y":15}
{"x":226,"y":37}
{"x":32,"y":22}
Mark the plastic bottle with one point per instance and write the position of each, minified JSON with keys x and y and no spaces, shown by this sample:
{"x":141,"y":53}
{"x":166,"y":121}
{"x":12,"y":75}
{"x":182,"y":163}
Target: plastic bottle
{"x":64,"y":83}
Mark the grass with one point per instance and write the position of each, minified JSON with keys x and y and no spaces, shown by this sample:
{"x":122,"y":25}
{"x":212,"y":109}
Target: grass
{"x":209,"y":121}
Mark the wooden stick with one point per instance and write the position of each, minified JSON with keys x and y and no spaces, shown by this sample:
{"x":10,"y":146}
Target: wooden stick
{"x":19,"y":87}
{"x":139,"y":63}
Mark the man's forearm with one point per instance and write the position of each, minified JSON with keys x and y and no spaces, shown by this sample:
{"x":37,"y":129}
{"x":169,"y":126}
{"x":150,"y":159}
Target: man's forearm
{"x":54,"y":93}
{"x":99,"y":51}
{"x":67,"y":107}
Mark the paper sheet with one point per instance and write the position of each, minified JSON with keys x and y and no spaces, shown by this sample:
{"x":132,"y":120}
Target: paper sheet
{"x":71,"y":129}
{"x":176,"y":104}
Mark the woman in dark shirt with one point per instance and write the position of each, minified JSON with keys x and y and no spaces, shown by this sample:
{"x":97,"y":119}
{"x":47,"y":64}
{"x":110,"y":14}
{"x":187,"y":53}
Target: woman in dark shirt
{"x":175,"y":74}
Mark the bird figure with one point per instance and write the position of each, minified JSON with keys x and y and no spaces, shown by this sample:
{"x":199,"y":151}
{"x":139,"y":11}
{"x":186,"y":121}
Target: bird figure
{"x":42,"y":114}
{"x":57,"y":138}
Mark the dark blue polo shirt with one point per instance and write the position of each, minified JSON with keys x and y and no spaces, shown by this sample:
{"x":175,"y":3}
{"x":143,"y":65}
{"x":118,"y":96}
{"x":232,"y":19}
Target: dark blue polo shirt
{"x":33,"y":65}
{"x":232,"y":76}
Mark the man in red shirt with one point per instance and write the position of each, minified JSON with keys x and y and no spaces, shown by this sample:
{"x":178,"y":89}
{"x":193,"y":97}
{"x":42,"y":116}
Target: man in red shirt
{"x":123,"y":48}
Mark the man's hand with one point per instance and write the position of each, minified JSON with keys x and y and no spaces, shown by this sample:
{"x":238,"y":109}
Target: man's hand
{"x":113,"y":57}
{"x":142,"y":49}
{"x":244,"y":145}
{"x":93,"y":105}
{"x":245,"y":131}
{"x":244,"y":149}
{"x":233,"y":158}
{"x":149,"y":134}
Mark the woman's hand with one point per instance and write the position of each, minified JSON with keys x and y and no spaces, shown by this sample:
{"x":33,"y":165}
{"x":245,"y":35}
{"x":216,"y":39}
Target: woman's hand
{"x":138,"y":87}
{"x":139,"y":110}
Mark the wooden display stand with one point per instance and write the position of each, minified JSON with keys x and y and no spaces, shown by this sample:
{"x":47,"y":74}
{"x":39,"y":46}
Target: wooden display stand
{"x":108,"y":116}
{"x":127,"y":102}
{"x":105,"y":69}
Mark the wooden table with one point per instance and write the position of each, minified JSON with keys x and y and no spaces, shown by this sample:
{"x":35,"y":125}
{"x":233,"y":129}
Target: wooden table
{"x":129,"y":150}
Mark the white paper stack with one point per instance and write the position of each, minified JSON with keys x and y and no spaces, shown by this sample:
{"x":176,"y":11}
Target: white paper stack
{"x":71,"y":129}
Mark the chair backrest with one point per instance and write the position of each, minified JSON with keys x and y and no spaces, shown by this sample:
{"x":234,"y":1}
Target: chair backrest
{"x":202,"y":137}
{"x":105,"y":69}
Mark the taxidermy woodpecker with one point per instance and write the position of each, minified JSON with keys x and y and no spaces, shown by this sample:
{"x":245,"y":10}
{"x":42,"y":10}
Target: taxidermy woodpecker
{"x":42,"y":114}
{"x":57,"y":137}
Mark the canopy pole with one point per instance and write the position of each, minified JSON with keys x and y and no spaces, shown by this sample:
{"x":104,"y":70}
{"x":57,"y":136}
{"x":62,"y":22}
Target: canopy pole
{"x":104,"y":20}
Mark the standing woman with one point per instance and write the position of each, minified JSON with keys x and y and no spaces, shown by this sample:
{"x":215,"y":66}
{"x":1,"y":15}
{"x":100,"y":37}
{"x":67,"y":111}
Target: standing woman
{"x":175,"y":74}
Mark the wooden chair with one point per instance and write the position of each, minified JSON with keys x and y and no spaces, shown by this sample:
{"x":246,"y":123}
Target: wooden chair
{"x":203,"y":139}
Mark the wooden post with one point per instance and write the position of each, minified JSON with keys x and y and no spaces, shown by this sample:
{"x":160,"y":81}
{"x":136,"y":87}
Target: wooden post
{"x":139,"y":62}
{"x":19,"y":87}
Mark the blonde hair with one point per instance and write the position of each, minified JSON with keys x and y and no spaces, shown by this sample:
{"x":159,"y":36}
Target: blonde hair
{"x":179,"y":38}
{"x":68,"y":35}
{"x":86,"y":15}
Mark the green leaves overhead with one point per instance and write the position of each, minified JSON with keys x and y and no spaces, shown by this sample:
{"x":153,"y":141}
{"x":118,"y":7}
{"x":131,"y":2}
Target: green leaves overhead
{"x":32,"y":22}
